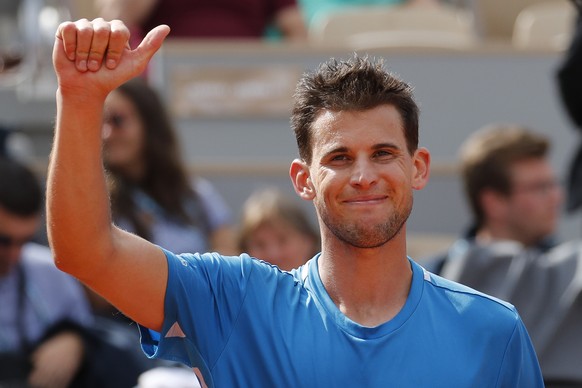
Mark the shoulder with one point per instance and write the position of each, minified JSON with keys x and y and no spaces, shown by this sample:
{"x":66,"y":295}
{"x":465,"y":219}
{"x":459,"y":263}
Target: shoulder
{"x":203,"y":187}
{"x":468,"y":303}
{"x":216,"y":265}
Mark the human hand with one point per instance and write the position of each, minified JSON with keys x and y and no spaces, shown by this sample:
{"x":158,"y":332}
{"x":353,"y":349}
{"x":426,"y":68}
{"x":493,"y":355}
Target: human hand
{"x":92,"y":58}
{"x":56,"y":361}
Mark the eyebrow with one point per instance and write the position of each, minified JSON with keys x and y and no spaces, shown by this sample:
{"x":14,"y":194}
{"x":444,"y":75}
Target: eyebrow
{"x":385,"y":145}
{"x":378,"y":146}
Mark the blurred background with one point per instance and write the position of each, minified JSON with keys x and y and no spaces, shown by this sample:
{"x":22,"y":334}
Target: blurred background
{"x":471,"y":62}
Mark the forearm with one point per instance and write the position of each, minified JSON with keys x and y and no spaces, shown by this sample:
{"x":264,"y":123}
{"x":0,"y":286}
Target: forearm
{"x":79,"y":221}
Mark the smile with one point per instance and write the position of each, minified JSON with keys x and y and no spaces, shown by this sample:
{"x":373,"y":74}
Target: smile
{"x":366,"y":200}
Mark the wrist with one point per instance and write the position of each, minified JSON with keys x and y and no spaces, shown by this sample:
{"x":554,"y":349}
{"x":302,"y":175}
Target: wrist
{"x":80,"y":96}
{"x":82,"y":101}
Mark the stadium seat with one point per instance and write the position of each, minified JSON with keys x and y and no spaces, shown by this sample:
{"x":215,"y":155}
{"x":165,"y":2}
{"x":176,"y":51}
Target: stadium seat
{"x":367,"y":27}
{"x":547,"y":25}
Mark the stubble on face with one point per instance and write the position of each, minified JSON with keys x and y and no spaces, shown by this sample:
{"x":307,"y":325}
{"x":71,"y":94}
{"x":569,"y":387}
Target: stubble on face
{"x":359,"y":233}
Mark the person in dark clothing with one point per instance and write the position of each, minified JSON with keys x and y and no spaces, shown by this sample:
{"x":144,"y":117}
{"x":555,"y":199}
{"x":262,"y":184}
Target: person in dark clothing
{"x":569,"y":81}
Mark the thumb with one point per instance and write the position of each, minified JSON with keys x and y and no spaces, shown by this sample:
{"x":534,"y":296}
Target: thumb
{"x":151,"y":43}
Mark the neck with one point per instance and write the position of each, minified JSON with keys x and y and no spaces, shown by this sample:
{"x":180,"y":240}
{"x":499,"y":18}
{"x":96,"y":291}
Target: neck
{"x":369,"y":285}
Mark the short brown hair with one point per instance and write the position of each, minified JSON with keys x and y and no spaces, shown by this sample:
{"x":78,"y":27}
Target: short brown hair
{"x":359,"y":83}
{"x":487,"y":155}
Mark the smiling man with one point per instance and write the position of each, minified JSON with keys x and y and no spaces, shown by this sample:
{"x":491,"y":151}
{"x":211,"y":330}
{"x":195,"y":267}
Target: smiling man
{"x":360,"y":313}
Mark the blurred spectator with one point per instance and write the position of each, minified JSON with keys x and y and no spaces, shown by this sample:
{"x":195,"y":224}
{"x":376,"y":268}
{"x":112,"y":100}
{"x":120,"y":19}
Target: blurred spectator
{"x":569,"y":79}
{"x":16,"y":145}
{"x":511,"y":188}
{"x":313,"y":10}
{"x":44,"y":312}
{"x":277,"y":230}
{"x":510,"y":252}
{"x":151,"y":192}
{"x":208,"y":19}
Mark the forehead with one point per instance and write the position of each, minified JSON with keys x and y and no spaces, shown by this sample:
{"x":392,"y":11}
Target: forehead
{"x":118,"y":100}
{"x":382,"y":124}
{"x":531,"y":169}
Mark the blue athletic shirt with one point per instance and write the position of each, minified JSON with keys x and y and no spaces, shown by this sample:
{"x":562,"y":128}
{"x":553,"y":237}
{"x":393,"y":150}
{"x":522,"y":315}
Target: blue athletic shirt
{"x":240,"y":322}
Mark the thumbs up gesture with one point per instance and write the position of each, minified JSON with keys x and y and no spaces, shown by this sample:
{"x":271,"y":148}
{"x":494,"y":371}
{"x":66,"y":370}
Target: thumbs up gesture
{"x":94,"y":57}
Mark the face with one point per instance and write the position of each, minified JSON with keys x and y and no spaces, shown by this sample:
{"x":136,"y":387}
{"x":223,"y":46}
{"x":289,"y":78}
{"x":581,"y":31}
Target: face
{"x":15,"y":231}
{"x":281,"y":244}
{"x":534,"y":205}
{"x":123,"y":133}
{"x":362,"y":176}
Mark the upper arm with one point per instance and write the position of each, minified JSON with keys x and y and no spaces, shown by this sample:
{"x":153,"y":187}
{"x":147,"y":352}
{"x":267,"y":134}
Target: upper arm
{"x":133,"y":278}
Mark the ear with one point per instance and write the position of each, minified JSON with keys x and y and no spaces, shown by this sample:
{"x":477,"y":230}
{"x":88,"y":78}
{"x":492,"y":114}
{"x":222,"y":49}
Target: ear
{"x":301,"y":179}
{"x":421,"y":168}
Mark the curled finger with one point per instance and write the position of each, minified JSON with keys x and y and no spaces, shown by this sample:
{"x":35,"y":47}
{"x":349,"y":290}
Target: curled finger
{"x":118,"y":43}
{"x":99,"y":44}
{"x":67,"y":33}
{"x":84,"y":40}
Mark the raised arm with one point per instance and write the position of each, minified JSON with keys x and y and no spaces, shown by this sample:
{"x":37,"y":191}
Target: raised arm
{"x":91,"y":58}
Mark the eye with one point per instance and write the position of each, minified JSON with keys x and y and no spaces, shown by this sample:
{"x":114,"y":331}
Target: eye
{"x":383,"y":154}
{"x":338,"y":160}
{"x":339,"y":157}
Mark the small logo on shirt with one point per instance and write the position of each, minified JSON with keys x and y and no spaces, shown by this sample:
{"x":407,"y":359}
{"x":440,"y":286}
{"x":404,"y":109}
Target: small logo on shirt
{"x":175,"y":331}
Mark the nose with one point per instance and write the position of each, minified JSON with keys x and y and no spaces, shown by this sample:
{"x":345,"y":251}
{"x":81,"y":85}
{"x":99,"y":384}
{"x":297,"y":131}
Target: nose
{"x":364,"y":174}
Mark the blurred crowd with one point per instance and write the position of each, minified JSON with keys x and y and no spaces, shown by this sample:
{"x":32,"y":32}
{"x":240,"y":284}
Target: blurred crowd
{"x":57,"y":333}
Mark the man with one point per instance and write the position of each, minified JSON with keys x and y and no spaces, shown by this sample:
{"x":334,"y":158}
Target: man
{"x":42,"y":308}
{"x":512,"y":191}
{"x":510,"y":252}
{"x":569,"y":83}
{"x":360,"y":313}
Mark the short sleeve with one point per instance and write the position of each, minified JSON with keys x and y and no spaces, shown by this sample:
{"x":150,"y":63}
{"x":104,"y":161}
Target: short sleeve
{"x":520,"y":367}
{"x":204,"y":295}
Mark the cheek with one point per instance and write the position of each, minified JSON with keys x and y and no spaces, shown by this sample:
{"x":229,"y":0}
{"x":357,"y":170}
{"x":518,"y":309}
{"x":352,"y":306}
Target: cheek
{"x":134,"y":137}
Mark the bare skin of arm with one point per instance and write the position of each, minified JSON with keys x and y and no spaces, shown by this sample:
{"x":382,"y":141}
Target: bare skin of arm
{"x":91,"y":59}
